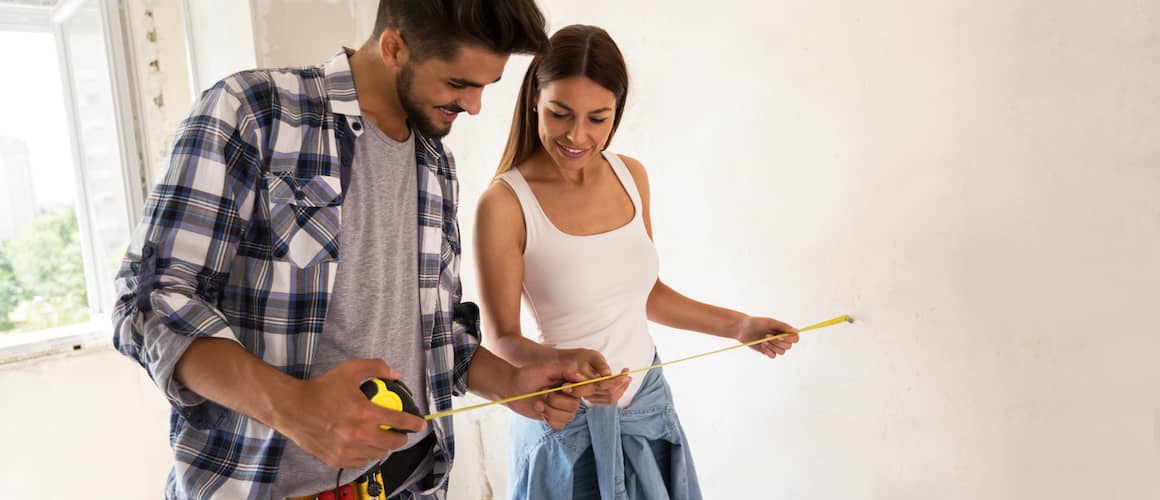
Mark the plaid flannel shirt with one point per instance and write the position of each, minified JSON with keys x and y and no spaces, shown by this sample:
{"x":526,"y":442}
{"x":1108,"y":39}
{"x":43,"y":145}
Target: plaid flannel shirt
{"x":241,"y":241}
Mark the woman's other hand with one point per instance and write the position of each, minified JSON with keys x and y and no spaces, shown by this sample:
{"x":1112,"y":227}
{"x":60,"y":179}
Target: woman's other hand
{"x":592,"y":364}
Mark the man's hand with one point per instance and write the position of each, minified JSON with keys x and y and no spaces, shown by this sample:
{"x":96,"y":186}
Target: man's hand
{"x":751,"y":328}
{"x":330,"y":418}
{"x":556,"y":409}
{"x":592,"y":364}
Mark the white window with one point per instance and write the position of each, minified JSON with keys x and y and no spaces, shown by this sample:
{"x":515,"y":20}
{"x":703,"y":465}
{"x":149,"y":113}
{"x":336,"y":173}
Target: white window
{"x":70,"y":170}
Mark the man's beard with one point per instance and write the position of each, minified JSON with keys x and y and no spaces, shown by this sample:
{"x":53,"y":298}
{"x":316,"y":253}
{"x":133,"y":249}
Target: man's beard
{"x":414,"y":111}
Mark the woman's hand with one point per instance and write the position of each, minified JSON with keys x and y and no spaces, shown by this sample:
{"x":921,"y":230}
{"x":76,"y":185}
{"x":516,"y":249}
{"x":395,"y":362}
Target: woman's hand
{"x":750,"y":328}
{"x":592,"y":364}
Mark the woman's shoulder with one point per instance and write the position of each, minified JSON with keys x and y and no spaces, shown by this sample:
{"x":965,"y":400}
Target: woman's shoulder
{"x":636,"y":168}
{"x":499,"y":197}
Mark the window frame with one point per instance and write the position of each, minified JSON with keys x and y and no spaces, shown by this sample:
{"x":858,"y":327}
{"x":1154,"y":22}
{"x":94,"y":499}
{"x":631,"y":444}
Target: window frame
{"x":134,"y":172}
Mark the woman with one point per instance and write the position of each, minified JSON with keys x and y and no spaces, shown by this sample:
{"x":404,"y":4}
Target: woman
{"x":567,"y":226}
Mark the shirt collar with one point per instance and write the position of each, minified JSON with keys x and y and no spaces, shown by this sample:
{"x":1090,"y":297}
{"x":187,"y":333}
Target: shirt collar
{"x":344,"y":98}
{"x":340,"y":85}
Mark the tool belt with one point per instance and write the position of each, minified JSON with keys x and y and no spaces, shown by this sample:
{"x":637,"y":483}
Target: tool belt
{"x":382,"y":478}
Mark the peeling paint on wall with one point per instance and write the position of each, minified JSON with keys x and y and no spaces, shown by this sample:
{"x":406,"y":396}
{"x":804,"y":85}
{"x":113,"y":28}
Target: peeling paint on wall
{"x":158,"y":39}
{"x":303,"y":32}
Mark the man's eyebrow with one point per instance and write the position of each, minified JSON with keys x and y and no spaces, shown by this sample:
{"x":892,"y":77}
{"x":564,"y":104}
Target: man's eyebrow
{"x":468,"y":83}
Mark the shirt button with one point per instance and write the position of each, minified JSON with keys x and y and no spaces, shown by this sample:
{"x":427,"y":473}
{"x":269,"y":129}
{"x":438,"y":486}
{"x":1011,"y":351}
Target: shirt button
{"x":147,"y":252}
{"x":356,"y":126}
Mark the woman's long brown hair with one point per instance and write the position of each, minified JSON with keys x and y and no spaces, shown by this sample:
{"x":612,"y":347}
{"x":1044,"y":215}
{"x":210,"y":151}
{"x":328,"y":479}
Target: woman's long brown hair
{"x":576,"y":50}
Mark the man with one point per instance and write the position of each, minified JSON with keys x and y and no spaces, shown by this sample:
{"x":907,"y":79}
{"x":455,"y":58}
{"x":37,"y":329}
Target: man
{"x":305,"y":240}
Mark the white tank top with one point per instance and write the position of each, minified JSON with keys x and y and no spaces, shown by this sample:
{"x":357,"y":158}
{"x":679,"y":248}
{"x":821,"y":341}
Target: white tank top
{"x":590,"y":291}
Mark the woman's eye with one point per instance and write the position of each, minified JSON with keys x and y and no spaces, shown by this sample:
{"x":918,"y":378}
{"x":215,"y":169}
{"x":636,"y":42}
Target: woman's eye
{"x":598,"y":120}
{"x":558,"y":115}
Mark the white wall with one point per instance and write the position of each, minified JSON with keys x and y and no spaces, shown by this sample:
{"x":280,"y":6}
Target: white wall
{"x":85,"y":425}
{"x":278,"y":30}
{"x":221,"y":40}
{"x":976,"y":182}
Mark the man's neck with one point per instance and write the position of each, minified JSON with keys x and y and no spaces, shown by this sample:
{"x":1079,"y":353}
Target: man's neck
{"x":378,"y":96}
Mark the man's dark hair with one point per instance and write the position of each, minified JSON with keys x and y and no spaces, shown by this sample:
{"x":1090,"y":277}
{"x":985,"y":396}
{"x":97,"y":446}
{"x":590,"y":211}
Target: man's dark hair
{"x":439,"y":27}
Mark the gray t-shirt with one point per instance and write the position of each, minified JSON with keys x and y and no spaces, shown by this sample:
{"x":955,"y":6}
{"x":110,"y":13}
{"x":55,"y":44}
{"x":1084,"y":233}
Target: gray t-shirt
{"x":374,"y":307}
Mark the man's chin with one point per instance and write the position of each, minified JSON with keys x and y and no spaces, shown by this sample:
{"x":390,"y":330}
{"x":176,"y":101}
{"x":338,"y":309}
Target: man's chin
{"x":429,"y":128}
{"x":440,"y":133}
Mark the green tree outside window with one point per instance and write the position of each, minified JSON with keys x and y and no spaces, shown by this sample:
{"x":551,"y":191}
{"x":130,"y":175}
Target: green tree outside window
{"x":42,"y":277}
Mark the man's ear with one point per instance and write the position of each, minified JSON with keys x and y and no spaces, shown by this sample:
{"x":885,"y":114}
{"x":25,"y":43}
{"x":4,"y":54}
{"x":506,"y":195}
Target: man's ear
{"x":393,"y":49}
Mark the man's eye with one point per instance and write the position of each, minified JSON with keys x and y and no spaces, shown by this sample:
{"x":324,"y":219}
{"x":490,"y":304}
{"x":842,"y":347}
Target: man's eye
{"x":457,"y":85}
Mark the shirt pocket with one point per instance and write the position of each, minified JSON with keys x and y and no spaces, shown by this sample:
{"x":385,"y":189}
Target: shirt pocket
{"x":305,"y":218}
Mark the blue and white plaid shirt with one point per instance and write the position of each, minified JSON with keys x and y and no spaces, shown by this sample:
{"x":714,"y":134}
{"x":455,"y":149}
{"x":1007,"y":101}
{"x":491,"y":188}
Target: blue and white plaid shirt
{"x":241,"y":241}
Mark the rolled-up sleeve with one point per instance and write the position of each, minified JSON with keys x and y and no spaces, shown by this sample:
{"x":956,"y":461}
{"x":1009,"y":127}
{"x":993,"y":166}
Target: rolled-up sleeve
{"x":465,"y":332}
{"x":181,"y":254}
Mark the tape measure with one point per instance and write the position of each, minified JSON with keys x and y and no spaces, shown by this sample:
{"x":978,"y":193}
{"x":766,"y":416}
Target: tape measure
{"x":394,"y":395}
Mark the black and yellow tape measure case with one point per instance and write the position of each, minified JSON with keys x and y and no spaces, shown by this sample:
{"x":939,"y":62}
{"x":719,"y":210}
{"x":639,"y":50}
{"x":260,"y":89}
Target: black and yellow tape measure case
{"x":392,"y":395}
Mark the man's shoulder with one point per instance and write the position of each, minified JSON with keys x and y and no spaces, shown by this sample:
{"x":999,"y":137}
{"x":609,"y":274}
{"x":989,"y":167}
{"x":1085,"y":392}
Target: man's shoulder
{"x":267,"y":77}
{"x":268,"y":87}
